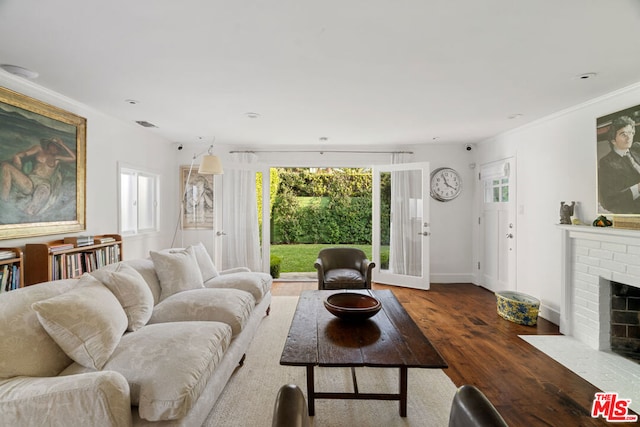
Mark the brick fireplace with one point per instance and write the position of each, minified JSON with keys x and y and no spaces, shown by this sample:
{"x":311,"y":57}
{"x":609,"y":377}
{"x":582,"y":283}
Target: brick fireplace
{"x":593,"y":259}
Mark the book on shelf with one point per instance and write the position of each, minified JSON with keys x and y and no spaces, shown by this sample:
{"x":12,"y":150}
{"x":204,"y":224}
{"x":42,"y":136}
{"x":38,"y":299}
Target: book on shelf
{"x":103,"y":239}
{"x":7,"y":255}
{"x":79,"y":241}
{"x":4,"y":276}
{"x":57,"y":247}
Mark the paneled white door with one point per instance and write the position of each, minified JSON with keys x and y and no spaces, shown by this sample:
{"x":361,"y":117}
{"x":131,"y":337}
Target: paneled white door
{"x":498,"y":225}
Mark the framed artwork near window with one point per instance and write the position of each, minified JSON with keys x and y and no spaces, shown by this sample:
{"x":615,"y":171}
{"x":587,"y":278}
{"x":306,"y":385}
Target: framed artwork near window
{"x":197,"y":199}
{"x":618,"y":154}
{"x":42,"y":168}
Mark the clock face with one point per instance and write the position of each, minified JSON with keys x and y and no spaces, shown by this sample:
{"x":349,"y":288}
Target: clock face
{"x":445,"y":184}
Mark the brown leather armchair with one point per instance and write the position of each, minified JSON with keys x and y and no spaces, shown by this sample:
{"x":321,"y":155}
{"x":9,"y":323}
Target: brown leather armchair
{"x":343,"y":268}
{"x":471,"y":407}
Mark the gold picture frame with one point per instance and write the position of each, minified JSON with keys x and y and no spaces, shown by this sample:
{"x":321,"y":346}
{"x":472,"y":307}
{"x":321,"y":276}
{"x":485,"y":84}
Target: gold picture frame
{"x":42,"y":168}
{"x":196,"y":199}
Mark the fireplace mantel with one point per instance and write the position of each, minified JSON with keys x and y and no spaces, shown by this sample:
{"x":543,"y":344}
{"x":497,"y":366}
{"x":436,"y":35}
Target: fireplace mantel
{"x":592,"y":255}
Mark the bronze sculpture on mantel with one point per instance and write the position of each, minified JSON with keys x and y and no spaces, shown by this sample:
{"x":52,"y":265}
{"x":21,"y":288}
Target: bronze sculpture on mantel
{"x":566,"y":212}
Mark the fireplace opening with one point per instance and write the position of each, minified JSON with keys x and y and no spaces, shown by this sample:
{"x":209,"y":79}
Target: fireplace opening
{"x":625,"y":321}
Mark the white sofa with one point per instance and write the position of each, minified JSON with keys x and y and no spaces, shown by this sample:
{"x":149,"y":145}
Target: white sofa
{"x":142,"y":342}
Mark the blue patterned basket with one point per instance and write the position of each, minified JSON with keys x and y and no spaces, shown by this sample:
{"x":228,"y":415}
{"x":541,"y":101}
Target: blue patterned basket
{"x":518,"y":307}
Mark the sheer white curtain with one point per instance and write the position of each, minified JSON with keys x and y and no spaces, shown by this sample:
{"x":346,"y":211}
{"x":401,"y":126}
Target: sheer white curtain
{"x":241,"y":246}
{"x":404,"y":253}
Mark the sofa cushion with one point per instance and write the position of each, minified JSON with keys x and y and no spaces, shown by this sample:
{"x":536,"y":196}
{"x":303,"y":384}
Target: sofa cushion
{"x":131,"y":290}
{"x":86,"y":322}
{"x":147,"y":270}
{"x":177,"y":270}
{"x":25,"y":347}
{"x":167,"y":365}
{"x":207,"y":268}
{"x":230,"y":306}
{"x":256,"y":283}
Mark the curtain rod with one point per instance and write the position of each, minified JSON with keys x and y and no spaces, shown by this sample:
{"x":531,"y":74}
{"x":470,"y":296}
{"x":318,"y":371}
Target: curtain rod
{"x":321,"y":151}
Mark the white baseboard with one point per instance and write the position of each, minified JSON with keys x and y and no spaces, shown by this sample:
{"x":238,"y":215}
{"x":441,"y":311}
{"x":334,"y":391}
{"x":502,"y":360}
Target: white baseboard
{"x":550,"y":314}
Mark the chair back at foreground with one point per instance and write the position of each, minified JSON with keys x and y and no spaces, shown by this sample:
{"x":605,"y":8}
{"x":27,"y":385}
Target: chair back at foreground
{"x":343,"y":268}
{"x":290,"y":409}
{"x":471,"y":408}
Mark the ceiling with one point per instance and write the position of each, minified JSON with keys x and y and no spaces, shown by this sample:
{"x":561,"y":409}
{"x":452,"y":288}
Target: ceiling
{"x":358,"y":73}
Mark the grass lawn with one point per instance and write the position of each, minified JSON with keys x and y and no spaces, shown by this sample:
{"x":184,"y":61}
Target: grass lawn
{"x":300,"y":258}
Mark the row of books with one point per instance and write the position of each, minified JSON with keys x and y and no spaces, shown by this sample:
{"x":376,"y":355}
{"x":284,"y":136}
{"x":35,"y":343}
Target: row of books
{"x":9,"y":277}
{"x":66,"y":266}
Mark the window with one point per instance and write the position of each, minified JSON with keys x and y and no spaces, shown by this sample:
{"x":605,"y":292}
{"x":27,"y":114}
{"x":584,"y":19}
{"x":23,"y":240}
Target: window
{"x":138,"y":201}
{"x":496,"y":190}
{"x":495,"y":177}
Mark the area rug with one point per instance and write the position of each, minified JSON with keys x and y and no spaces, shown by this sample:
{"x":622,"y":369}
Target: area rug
{"x":249,"y":397}
{"x":607,"y":371}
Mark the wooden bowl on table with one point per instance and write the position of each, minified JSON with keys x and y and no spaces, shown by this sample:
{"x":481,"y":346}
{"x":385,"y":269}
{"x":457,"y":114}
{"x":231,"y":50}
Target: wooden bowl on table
{"x":352,"y":306}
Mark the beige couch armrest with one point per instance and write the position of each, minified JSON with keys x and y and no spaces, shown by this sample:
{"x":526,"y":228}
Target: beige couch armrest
{"x":64,"y":400}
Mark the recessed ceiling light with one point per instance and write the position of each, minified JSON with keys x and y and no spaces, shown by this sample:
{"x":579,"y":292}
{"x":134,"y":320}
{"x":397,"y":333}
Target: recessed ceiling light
{"x":19,"y":71}
{"x":131,"y":101}
{"x":324,"y":138}
{"x":515,"y":116}
{"x":587,"y":76}
{"x":252,"y":115}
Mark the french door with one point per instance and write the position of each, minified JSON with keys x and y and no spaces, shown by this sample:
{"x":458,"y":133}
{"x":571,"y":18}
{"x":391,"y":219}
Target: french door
{"x":401,"y":224}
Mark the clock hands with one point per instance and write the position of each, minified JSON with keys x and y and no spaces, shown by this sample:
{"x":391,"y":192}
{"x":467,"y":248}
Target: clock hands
{"x":447,"y":182}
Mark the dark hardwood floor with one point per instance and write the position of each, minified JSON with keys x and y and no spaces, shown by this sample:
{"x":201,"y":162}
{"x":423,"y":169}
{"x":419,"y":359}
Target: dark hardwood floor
{"x":527,"y":387}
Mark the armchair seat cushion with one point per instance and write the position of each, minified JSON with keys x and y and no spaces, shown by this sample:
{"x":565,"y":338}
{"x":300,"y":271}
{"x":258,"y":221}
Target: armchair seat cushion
{"x":343,"y":275}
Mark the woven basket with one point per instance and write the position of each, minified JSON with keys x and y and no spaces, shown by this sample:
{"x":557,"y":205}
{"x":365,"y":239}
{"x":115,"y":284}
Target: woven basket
{"x":518,"y":307}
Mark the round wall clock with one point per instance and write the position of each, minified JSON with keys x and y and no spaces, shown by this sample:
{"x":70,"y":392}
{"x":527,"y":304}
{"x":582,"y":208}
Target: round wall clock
{"x":446,"y":184}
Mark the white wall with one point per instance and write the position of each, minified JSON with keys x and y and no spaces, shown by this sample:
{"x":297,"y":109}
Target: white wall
{"x":556,"y":161}
{"x":110,"y":141}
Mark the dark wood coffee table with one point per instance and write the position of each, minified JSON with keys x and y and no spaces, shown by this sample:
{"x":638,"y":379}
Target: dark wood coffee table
{"x":389,"y":339}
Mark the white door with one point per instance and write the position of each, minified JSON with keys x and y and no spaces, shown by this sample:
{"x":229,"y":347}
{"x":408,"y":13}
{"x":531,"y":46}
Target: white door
{"x":401,"y":224}
{"x":498,"y":225}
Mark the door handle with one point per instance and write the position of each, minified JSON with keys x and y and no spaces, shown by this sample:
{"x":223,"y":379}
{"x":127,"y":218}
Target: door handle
{"x":510,"y":236}
{"x":424,"y":233}
{"x":221,"y":233}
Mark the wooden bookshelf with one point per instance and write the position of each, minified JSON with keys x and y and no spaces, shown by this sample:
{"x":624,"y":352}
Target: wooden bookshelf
{"x":69,"y":258}
{"x":11,"y":271}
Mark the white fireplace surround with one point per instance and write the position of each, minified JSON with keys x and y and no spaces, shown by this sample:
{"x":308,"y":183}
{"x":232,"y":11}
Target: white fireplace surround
{"x":592,"y":257}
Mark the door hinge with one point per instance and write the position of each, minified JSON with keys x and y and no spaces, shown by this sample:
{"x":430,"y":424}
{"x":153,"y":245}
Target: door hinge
{"x":478,"y":265}
{"x":478,"y":220}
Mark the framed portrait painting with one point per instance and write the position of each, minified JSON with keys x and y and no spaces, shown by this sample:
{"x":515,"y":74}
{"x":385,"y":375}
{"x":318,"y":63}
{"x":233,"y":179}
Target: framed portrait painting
{"x":197,"y":199}
{"x":42,"y":168}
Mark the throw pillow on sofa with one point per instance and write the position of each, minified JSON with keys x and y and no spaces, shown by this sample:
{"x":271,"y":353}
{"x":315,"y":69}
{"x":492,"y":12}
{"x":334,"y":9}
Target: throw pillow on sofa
{"x":87,"y":322}
{"x":177,"y":270}
{"x":131,"y":290}
{"x":207,"y":267}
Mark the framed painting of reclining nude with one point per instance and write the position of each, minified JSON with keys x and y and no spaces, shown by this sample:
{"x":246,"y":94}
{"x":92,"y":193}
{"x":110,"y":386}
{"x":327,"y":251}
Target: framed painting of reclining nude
{"x":42,"y":168}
